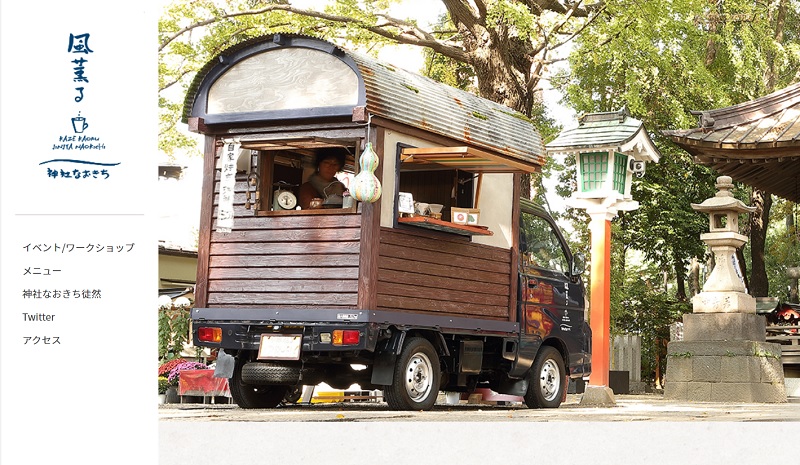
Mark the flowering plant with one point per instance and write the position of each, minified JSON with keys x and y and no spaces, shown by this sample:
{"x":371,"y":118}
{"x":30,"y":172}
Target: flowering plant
{"x":163,"y":384}
{"x":174,"y":374}
{"x":166,"y":367}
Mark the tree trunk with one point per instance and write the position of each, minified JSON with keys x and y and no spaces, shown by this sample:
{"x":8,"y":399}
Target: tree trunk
{"x":759,"y":220}
{"x":680,"y":280}
{"x":501,"y":60}
{"x":661,"y":361}
{"x":770,"y":78}
{"x":502,"y":73}
{"x":695,"y":276}
{"x":711,"y":44}
{"x":742,"y":266}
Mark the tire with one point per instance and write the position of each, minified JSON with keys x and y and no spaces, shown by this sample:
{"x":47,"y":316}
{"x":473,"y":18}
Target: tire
{"x":261,"y":373}
{"x":417,"y":375}
{"x":253,"y":396}
{"x":546,"y":380}
{"x":293,"y":394}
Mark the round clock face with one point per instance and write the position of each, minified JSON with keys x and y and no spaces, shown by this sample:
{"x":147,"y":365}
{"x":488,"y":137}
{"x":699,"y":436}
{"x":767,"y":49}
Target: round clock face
{"x":287,"y":200}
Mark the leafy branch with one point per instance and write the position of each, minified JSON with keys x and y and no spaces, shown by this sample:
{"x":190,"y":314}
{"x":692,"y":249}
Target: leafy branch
{"x":394,"y":29}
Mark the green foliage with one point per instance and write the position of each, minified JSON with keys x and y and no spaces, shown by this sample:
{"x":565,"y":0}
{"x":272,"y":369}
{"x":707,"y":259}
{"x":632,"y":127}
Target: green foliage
{"x":646,"y":308}
{"x":173,"y":331}
{"x":513,"y":14}
{"x":783,"y":246}
{"x":444,"y":69}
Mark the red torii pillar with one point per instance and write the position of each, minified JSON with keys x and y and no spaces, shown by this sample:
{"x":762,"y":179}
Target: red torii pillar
{"x":600,"y":303}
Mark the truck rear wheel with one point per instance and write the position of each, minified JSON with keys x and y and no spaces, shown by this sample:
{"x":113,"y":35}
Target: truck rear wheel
{"x":546,"y":380}
{"x":417,"y":374}
{"x":253,"y":396}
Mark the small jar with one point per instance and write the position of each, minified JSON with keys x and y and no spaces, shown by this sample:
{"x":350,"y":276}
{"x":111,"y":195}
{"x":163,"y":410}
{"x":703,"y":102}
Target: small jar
{"x":347,"y":200}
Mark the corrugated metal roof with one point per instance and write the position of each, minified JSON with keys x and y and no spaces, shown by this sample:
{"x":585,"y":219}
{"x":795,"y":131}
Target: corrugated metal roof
{"x":755,"y":142}
{"x":420,"y":102}
{"x":423,"y":103}
{"x":606,"y":131}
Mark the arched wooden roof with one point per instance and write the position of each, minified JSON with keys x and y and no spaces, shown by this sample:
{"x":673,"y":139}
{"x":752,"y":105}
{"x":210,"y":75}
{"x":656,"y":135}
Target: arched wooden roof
{"x":755,"y":142}
{"x":388,"y":92}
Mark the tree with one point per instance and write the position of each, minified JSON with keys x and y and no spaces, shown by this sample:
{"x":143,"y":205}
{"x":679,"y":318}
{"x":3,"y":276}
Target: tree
{"x":668,"y":57}
{"x":661,"y":59}
{"x":506,"y":44}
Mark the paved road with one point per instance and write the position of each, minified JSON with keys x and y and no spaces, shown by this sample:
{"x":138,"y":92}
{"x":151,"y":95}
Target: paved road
{"x":639,"y":429}
{"x":629,"y":408}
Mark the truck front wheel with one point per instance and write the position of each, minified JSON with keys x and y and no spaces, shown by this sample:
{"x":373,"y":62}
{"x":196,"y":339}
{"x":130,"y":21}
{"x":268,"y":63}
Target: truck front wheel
{"x":546,"y":382}
{"x":253,"y":396}
{"x":416,"y":377}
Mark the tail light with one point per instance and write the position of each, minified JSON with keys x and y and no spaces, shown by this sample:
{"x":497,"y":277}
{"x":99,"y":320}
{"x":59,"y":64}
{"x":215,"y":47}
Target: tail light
{"x":346,"y":337}
{"x":207,"y":334}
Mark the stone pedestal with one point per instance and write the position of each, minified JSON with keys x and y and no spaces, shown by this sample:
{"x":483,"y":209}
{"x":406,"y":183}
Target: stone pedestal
{"x":723,"y":358}
{"x":598,"y":396}
{"x":725,"y":301}
{"x":724,"y":327}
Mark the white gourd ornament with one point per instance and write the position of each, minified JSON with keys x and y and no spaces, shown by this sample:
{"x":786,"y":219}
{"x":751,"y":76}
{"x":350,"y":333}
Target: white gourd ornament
{"x":365,"y":186}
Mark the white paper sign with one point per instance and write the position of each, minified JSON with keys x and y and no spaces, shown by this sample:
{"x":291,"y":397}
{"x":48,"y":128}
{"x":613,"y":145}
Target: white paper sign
{"x":405,"y":203}
{"x":230,"y":154}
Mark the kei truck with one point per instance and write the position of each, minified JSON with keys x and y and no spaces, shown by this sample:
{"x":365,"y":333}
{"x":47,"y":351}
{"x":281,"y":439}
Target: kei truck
{"x":363,"y":224}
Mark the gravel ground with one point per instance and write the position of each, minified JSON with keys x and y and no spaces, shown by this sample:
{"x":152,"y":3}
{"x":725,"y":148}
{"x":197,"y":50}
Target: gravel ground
{"x":629,"y":408}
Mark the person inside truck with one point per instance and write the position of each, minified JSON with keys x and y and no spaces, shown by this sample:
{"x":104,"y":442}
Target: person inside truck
{"x":323,"y":183}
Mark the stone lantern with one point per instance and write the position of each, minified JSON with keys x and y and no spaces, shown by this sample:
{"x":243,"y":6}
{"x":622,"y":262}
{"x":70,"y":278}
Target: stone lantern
{"x":724,"y":289}
{"x":723,"y":356}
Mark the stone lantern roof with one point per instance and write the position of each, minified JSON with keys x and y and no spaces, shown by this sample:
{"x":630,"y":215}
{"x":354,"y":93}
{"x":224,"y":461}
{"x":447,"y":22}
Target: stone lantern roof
{"x":723,"y":200}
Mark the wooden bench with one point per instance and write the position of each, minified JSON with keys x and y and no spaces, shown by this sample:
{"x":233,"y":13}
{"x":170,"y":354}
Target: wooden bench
{"x":789,"y":341}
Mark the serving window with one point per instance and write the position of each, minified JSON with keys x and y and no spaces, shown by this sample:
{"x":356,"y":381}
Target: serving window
{"x":288,"y":180}
{"x":436,"y":196}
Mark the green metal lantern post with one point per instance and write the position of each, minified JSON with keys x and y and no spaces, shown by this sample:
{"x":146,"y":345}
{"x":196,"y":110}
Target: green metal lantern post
{"x":610,"y":148}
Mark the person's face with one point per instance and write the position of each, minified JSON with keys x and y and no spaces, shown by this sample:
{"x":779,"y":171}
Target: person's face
{"x":328,"y":168}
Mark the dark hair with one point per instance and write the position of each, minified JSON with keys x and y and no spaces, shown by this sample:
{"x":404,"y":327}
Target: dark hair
{"x":330,"y":152}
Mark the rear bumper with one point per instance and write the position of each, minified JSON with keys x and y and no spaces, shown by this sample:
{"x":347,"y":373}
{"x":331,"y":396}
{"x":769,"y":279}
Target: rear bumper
{"x":242,"y":328}
{"x":239,"y":336}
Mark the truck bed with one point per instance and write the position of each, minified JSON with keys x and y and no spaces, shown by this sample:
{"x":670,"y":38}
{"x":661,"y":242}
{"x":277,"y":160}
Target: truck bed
{"x":445,"y":324}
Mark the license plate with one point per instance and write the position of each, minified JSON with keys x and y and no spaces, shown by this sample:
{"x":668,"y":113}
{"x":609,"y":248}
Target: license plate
{"x":280,"y":347}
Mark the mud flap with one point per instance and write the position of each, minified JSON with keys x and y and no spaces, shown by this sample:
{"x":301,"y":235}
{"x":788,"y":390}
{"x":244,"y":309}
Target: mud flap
{"x":513,"y":387}
{"x":385,"y":359}
{"x":224,"y":366}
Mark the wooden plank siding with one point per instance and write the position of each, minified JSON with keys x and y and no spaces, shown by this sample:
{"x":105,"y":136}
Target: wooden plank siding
{"x":295,"y":261}
{"x":420,"y":272}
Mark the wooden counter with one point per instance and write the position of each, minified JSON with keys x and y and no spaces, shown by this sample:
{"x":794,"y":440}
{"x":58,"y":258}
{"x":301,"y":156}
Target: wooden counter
{"x":446,"y":226}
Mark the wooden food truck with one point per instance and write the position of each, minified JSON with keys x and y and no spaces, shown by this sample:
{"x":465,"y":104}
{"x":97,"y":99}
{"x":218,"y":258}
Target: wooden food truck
{"x":418,"y":270}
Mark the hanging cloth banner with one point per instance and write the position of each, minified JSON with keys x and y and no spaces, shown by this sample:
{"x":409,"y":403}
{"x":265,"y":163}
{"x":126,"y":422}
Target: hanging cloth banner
{"x":227,"y":182}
